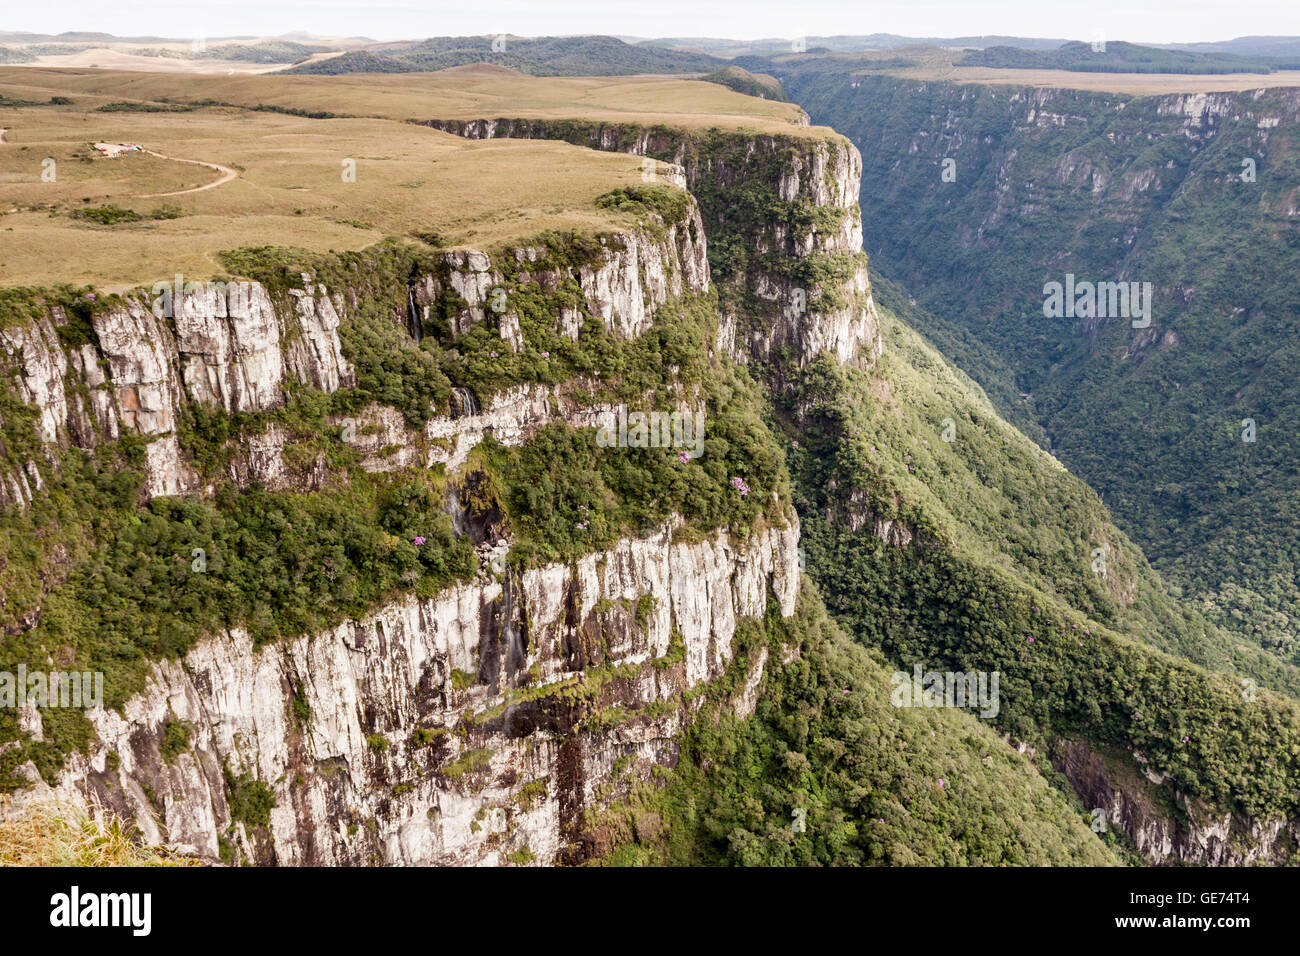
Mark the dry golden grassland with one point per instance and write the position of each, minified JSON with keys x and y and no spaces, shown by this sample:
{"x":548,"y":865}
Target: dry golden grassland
{"x":120,"y":54}
{"x":467,"y":92}
{"x":122,"y":58}
{"x":290,"y":188}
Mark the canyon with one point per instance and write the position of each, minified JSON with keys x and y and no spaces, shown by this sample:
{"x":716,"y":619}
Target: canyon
{"x":575,"y":655}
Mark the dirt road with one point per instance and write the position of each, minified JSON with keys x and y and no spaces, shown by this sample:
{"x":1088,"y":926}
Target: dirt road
{"x":227,"y":174}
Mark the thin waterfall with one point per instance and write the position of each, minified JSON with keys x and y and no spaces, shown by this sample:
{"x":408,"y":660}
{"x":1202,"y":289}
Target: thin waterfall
{"x":463,"y":403}
{"x":516,"y":655}
{"x":413,"y":315}
{"x":454,"y":508}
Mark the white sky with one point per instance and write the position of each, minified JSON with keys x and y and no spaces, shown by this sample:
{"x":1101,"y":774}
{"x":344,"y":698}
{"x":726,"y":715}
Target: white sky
{"x":1170,"y":21}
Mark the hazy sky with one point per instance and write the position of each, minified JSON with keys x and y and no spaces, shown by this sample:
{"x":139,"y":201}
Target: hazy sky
{"x":1151,"y":20}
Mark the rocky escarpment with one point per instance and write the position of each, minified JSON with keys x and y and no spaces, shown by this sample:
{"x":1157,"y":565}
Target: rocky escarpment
{"x":479,"y":726}
{"x":782,"y":212}
{"x":94,"y":371}
{"x":386,"y":442}
{"x":226,"y":348}
{"x":624,"y":285}
{"x":483,"y":720}
{"x":1134,"y":802}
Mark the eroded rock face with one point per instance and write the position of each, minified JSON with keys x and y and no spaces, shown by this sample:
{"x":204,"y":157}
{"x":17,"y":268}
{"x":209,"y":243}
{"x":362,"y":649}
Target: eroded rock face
{"x":511,"y":417}
{"x":836,"y":315}
{"x":849,"y":331}
{"x":476,"y":727}
{"x":141,"y":358}
{"x":41,"y":369}
{"x":1202,"y":837}
{"x":633,"y":276}
{"x":230,"y":349}
{"x":315,"y":355}
{"x":224,"y":348}
{"x":387,"y":443}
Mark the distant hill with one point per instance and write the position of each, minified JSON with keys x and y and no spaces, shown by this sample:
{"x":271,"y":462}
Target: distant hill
{"x":544,"y":56}
{"x":73,"y":36}
{"x":1259,"y":46}
{"x":846,"y":44}
{"x":622,"y":56}
{"x":303,"y":36}
{"x":751,"y":84}
{"x":357,"y":61}
{"x":265,"y":51}
{"x":1244,"y":46}
{"x":1121,"y":57}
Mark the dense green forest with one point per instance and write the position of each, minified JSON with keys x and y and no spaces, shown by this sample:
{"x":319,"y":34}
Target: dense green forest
{"x":829,"y":773}
{"x":996,"y":577}
{"x":1189,"y":429}
{"x":264,"y":51}
{"x":1002,"y":575}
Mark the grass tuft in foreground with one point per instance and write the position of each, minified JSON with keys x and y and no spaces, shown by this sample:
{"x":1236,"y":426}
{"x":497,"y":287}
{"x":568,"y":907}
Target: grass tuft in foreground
{"x":64,"y":835}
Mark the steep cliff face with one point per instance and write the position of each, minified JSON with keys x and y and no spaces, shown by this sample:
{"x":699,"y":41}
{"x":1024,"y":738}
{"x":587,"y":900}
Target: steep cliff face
{"x":224,"y":348}
{"x":632,"y":276}
{"x":482,"y":723}
{"x":1167,"y":828}
{"x":479,"y":726}
{"x":237,"y":349}
{"x":782,"y":211}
